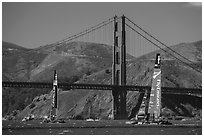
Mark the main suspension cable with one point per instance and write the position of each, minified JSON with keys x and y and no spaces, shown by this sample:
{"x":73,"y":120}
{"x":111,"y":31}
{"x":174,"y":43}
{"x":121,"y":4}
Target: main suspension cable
{"x":159,"y":41}
{"x":162,"y":48}
{"x":86,"y":31}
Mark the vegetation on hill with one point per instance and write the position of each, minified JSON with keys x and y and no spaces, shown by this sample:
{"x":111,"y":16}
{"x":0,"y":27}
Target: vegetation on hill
{"x":71,"y":60}
{"x":90,"y":63}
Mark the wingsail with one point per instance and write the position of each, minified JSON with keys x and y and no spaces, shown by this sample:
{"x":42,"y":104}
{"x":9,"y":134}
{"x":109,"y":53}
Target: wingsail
{"x":151,"y":103}
{"x":155,"y":95}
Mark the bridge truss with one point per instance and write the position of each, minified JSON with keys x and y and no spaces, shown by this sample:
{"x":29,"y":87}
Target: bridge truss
{"x":67,"y":86}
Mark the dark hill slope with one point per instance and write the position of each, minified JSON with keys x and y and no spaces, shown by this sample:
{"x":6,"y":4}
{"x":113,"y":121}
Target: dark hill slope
{"x":81,"y":104}
{"x":21,"y":64}
{"x":71,"y":60}
{"x":12,"y":47}
{"x":17,"y":62}
{"x":74,"y":59}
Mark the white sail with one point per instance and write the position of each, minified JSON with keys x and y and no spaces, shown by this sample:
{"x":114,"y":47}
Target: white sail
{"x":155,"y":95}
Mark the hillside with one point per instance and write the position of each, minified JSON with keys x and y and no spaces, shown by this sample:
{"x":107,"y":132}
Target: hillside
{"x":81,"y":104}
{"x":6,"y":46}
{"x":71,"y":60}
{"x":74,"y":59}
{"x":17,"y":62}
{"x":21,"y":64}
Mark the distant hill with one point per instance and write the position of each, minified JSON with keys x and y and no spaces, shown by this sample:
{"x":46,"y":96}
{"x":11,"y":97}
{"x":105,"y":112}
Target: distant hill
{"x":72,"y":61}
{"x":12,"y":47}
{"x":78,"y":103}
{"x":17,"y":62}
{"x":76,"y":58}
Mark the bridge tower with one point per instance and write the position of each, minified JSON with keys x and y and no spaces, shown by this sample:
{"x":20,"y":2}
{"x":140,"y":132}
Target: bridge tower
{"x":119,"y":70}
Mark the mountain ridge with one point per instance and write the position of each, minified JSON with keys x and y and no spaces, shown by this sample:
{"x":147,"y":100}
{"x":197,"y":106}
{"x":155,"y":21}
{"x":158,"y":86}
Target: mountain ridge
{"x":38,"y":66}
{"x":139,"y":72}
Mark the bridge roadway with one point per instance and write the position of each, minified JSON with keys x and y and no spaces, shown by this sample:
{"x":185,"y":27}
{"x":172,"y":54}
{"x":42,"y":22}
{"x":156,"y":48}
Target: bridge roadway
{"x":165,"y":90}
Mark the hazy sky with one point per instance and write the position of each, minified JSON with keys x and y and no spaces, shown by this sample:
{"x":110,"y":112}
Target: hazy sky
{"x":34,"y":24}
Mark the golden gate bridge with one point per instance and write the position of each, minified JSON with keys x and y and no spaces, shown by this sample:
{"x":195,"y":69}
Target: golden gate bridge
{"x":128,"y":39}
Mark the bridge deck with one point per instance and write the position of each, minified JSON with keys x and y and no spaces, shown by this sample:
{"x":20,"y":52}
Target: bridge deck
{"x":165,"y":90}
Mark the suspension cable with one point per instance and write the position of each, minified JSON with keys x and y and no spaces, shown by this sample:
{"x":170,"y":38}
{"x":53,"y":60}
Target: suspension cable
{"x":86,"y":31}
{"x":159,"y":41}
{"x":162,"y":48}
